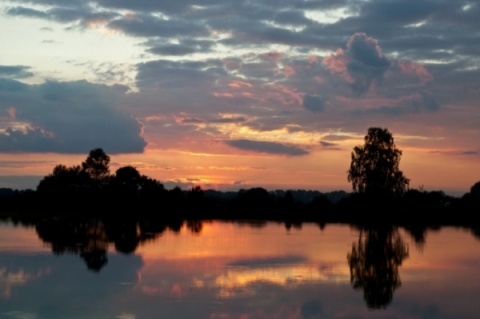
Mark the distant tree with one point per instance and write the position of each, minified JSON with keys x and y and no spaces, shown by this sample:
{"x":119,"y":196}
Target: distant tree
{"x":127,"y":179}
{"x":195,"y":195}
{"x":374,"y":166}
{"x":96,"y":165}
{"x":475,"y":190}
{"x":64,"y":181}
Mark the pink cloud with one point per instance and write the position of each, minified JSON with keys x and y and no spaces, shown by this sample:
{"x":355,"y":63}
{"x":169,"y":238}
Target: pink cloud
{"x":337,"y":63}
{"x":407,"y":67}
{"x":239,"y":84}
{"x":288,"y":71}
{"x":364,"y":67}
{"x":271,"y":56}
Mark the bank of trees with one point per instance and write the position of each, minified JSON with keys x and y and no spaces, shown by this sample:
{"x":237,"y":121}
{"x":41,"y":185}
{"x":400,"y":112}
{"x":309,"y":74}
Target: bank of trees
{"x":381,"y":193}
{"x":91,"y":185}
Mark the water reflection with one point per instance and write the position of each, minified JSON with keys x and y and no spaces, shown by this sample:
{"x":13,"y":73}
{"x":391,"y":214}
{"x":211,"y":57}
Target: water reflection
{"x":374,"y":261}
{"x":91,"y":238}
{"x":231,"y":270}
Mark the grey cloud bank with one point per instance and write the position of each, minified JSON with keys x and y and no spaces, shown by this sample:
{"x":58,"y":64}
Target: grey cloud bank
{"x":65,"y":117}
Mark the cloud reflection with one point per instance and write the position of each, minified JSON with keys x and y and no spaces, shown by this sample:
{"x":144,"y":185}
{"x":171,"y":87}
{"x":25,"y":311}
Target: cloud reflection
{"x":239,"y":279}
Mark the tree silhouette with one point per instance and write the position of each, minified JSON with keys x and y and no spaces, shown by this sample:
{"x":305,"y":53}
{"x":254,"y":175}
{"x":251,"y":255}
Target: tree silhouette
{"x":96,"y":165}
{"x":374,"y":166}
{"x":63,"y":187}
{"x":374,"y":262}
{"x":127,"y":179}
{"x":63,"y":180}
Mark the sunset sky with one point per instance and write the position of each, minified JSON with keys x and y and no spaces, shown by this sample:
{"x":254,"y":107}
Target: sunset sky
{"x":240,"y":93}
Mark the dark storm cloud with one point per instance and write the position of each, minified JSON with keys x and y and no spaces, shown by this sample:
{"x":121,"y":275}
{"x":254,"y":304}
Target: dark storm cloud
{"x":267,"y":147}
{"x":68,"y":117}
{"x":15,"y":71}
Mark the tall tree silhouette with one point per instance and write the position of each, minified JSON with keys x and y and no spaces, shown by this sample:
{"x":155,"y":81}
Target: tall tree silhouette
{"x":374,"y":262}
{"x":96,"y":165}
{"x":374,"y":166}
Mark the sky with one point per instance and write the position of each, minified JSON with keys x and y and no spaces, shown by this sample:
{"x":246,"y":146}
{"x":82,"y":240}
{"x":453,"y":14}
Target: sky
{"x":239,"y":93}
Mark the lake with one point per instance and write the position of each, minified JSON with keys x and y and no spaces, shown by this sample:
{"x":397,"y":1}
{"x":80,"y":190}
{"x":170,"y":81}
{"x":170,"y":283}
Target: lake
{"x":223,"y":270}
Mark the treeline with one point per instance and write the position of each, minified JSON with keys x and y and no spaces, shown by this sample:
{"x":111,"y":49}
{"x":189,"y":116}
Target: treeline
{"x":90,"y":189}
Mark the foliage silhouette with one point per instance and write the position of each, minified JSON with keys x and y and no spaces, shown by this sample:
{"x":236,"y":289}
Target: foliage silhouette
{"x":475,"y":190}
{"x":127,"y":179}
{"x":96,"y":165}
{"x":374,"y":262}
{"x":91,"y":238}
{"x":89,"y":189}
{"x":374,"y":166}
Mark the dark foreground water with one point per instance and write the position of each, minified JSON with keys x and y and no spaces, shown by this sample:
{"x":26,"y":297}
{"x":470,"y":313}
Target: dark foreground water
{"x":238,"y":270}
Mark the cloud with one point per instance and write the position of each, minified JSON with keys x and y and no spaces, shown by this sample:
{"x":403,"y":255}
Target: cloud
{"x":84,"y":15}
{"x":226,"y":120}
{"x":300,"y":66}
{"x":416,"y":103}
{"x":15,"y":71}
{"x":329,"y":145}
{"x":338,"y":137}
{"x":459,"y":152}
{"x":27,"y":12}
{"x":66,"y":117}
{"x":22,"y":164}
{"x":267,"y":147}
{"x":172,"y":49}
{"x":274,"y":261}
{"x":313,"y":103}
{"x":151,"y":26}
{"x":362,"y":64}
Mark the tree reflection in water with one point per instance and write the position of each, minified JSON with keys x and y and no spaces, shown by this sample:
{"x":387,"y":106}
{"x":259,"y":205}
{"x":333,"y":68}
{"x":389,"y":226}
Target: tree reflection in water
{"x":90,"y":238}
{"x":374,"y":262}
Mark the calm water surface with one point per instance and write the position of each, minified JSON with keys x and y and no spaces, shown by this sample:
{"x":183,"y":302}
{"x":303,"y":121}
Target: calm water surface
{"x":235,"y":270}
